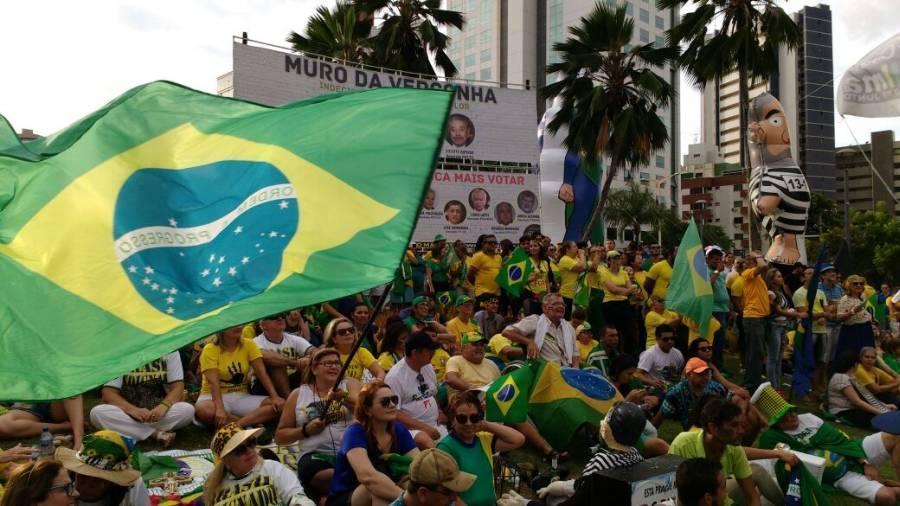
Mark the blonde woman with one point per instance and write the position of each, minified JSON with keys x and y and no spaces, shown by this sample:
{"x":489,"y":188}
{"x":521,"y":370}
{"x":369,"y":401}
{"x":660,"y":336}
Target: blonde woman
{"x":340,"y":334}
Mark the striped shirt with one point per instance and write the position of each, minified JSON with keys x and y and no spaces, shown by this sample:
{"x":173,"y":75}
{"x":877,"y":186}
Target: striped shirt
{"x":611,"y":459}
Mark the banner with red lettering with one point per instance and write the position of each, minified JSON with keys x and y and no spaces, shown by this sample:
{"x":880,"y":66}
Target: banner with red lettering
{"x":465,"y":204}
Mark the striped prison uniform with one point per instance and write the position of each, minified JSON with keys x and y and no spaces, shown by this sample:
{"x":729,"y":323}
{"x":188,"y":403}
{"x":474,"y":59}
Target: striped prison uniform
{"x":782,"y":179}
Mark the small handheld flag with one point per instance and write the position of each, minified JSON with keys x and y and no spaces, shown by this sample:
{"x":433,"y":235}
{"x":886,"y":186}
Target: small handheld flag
{"x":514,"y":273}
{"x":690,"y":293}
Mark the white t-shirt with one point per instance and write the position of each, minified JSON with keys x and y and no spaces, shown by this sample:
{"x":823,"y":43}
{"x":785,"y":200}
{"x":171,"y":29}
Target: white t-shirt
{"x":416,"y":396}
{"x":270,"y":482}
{"x":310,"y":406}
{"x":809,"y":425}
{"x":661,"y":365}
{"x":147,"y":386}
{"x":291,"y":346}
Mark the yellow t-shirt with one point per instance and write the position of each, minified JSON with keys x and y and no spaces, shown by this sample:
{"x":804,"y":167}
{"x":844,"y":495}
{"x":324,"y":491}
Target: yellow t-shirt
{"x":498,"y":343}
{"x":661,"y":272}
{"x":233,"y":366}
{"x":694,"y":331}
{"x":488,"y":267}
{"x":620,"y":280}
{"x":248,"y":332}
{"x":538,"y":285}
{"x":594,"y":277}
{"x":653,"y":320}
{"x":458,"y":328}
{"x":361,"y":361}
{"x":476,"y":375}
{"x":877,"y":376}
{"x":387,"y":360}
{"x":439,"y":362}
{"x":737,"y":289}
{"x":756,"y":295}
{"x":569,"y":277}
{"x":585,"y":349}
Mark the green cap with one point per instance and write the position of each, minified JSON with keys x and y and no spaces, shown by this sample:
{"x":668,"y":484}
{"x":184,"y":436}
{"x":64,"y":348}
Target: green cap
{"x":583,"y":327}
{"x":421,"y":299}
{"x":463,"y":299}
{"x":472,"y":337}
{"x":439,"y":238}
{"x":770,"y":403}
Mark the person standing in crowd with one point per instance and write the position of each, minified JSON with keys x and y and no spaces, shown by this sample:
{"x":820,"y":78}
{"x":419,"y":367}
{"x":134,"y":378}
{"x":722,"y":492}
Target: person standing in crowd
{"x":617,"y":289}
{"x":638,"y":300}
{"x":473,"y":442}
{"x":548,"y":336}
{"x":735,"y":286}
{"x":146,"y":402}
{"x":317,"y":415}
{"x":434,"y":480}
{"x":700,"y":482}
{"x":392,"y":346}
{"x":656,"y":316}
{"x":660,"y":366}
{"x":833,"y":292}
{"x":361,"y":475}
{"x":721,"y":301}
{"x":340,"y":334}
{"x":539,"y":280}
{"x":856,"y":323}
{"x":756,"y":317}
{"x":437,"y":269}
{"x":284,"y":355}
{"x":102,"y":470}
{"x":659,"y":275}
{"x":225,"y":364}
{"x":40,"y":483}
{"x":414,"y":381}
{"x":488,"y":320}
{"x":596,"y":266}
{"x":463,"y":322}
{"x":820,"y":302}
{"x":783,"y":315}
{"x":484,"y":266}
{"x":681,"y":399}
{"x":571,"y":264}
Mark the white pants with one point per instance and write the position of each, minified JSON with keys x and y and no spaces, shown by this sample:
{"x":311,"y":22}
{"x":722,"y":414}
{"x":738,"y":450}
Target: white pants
{"x":107,"y":416}
{"x":237,"y":403}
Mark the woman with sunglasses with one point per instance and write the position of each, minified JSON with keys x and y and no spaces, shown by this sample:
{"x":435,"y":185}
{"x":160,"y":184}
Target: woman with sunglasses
{"x":340,"y":334}
{"x":472,"y":442}
{"x":702,"y":349}
{"x":856,"y":322}
{"x":40,"y":483}
{"x":318,"y":415}
{"x":361,"y":475}
{"x":240,"y":476}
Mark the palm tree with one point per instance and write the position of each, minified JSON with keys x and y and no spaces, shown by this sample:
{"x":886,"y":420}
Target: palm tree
{"x":409,"y":32}
{"x":748,"y":38}
{"x":632,"y":207}
{"x":610,"y":95}
{"x":338,"y":33}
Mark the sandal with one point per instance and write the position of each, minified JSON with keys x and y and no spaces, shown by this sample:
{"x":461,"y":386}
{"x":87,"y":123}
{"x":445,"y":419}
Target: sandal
{"x":165,"y":438}
{"x":560,"y":457}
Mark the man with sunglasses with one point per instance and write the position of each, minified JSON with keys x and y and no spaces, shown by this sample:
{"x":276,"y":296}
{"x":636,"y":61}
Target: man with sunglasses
{"x":414,"y":381}
{"x":660,"y":365}
{"x":434,"y":480}
{"x":285,"y":356}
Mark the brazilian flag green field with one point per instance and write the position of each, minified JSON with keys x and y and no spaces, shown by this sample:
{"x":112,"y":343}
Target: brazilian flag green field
{"x":170,"y":214}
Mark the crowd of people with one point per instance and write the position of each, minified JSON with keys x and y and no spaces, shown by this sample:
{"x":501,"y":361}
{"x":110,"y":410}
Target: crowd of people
{"x":406,"y":422}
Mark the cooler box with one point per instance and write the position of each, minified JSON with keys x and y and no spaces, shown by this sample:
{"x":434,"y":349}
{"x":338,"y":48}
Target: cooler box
{"x":649,"y":482}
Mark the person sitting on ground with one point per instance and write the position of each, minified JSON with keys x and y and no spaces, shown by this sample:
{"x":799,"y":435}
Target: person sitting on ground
{"x":318,"y":415}
{"x":848,"y":398}
{"x":359,"y":315}
{"x":470,"y":370}
{"x":226,"y":363}
{"x":434,"y":480}
{"x":877,"y":381}
{"x":392,"y":346}
{"x":102,"y":470}
{"x":681,"y":398}
{"x":284,"y":355}
{"x":548,"y":335}
{"x":488,"y":320}
{"x":505,"y":348}
{"x":660,"y":366}
{"x":656,"y":316}
{"x":241,"y":476}
{"x":40,"y":483}
{"x":463,"y":322}
{"x":340,"y":334}
{"x":608,"y":350}
{"x":700,"y":482}
{"x":27,"y":420}
{"x":621,"y":374}
{"x":852,"y":464}
{"x":702,"y":349}
{"x":891,"y":356}
{"x":362,"y":474}
{"x":146,"y":402}
{"x":414,"y":381}
{"x":585,"y":341}
{"x":473,"y":442}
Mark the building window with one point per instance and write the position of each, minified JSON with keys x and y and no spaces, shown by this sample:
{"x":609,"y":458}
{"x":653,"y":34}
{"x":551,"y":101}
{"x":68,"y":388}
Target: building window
{"x":485,"y":37}
{"x":660,"y":42}
{"x":645,"y":177}
{"x":470,"y":76}
{"x":470,"y":60}
{"x":660,"y":161}
{"x":629,"y":9}
{"x":485,"y":55}
{"x":645,"y":15}
{"x":470,"y":42}
{"x":660,"y":22}
{"x":485,"y":74}
{"x":487,"y":11}
{"x":645,"y":35}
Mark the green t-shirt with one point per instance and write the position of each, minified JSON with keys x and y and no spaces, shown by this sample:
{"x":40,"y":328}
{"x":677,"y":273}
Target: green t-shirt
{"x":734,"y":461}
{"x":476,"y":458}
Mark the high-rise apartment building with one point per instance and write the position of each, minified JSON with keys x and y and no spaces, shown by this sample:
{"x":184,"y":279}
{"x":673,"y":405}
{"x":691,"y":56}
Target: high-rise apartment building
{"x":511,"y":42}
{"x":856,"y":181}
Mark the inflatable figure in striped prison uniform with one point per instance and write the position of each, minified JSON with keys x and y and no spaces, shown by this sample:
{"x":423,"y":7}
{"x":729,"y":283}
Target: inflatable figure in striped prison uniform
{"x":779,"y":194}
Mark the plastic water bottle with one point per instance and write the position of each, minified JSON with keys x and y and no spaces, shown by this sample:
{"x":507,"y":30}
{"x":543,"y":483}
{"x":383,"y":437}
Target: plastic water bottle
{"x":46,"y":445}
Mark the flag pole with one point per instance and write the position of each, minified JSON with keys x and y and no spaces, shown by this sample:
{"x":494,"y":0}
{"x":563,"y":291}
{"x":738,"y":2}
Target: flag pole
{"x":366,"y":332}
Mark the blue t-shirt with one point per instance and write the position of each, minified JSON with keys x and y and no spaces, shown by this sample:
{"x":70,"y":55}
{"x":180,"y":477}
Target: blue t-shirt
{"x":833,"y":295}
{"x":344,"y":479}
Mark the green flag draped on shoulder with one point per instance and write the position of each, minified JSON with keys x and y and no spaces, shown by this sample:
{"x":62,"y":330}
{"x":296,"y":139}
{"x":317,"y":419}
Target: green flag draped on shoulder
{"x":690,"y":293}
{"x":514,"y":272}
{"x":171,"y":214}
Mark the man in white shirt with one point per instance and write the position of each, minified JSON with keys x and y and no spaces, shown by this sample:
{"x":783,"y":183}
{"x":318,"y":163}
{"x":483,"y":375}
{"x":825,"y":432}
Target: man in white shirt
{"x":548,"y":335}
{"x":661,"y":365}
{"x":286,"y":356}
{"x":413,"y":380}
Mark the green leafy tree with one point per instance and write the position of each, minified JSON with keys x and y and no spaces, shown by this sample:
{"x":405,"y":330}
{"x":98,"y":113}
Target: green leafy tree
{"x":673,"y":229}
{"x":338,"y":33}
{"x":632,"y":207}
{"x":409,"y":33}
{"x":610,"y":95}
{"x":823,"y":215}
{"x":746,"y":38}
{"x":874,"y":244}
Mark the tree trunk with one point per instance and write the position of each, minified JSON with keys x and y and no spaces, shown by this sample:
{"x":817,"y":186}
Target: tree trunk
{"x":601,"y":203}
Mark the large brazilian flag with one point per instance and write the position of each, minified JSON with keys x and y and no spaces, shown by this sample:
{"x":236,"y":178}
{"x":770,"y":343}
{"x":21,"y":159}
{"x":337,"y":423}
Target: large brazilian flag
{"x":170,"y":214}
{"x":690,"y":293}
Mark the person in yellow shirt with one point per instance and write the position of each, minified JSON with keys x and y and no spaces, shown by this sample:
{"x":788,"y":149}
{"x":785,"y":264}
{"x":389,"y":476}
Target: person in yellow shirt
{"x":463,"y":322}
{"x":341,"y":335}
{"x":659,"y":275}
{"x":505,"y":348}
{"x":484,"y":267}
{"x":585,"y":341}
{"x":658,"y":315}
{"x":571,"y":264}
{"x":537,"y":285}
{"x":470,"y":370}
{"x":392,"y":346}
{"x":617,"y":289}
{"x":756,"y":317}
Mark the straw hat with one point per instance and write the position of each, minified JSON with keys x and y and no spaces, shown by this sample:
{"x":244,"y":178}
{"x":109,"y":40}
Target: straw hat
{"x":770,"y":403}
{"x":104,"y":454}
{"x":229,"y":437}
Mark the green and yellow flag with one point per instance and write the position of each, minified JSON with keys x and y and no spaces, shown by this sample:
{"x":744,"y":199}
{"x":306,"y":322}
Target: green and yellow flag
{"x":170,"y":214}
{"x":514,"y":273}
{"x":690,"y":293}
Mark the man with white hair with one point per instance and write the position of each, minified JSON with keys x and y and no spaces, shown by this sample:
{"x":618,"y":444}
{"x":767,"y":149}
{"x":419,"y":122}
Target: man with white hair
{"x":548,"y":335}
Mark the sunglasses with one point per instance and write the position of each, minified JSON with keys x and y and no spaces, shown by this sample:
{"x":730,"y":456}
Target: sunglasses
{"x":704,"y":348}
{"x":68,"y":488}
{"x":329,"y":363}
{"x":857,"y":283}
{"x":389,"y":400}
{"x":345,"y":331}
{"x":240,"y":449}
{"x":473,"y":419}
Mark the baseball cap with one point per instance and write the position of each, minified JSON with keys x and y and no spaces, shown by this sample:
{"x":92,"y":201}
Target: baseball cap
{"x":419,"y":300}
{"x":697,"y":365}
{"x":436,"y":467}
{"x":826,"y":267}
{"x":623,"y":425}
{"x":472,"y":337}
{"x":439,"y":238}
{"x":713,"y":248}
{"x":463,"y":299}
{"x":583,"y":327}
{"x":420,"y":341}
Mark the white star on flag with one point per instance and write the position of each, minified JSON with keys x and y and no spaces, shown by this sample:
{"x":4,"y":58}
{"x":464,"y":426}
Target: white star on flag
{"x":170,"y":310}
{"x":170,"y":300}
{"x":232,"y":271}
{"x":283,"y":204}
{"x":145,"y":281}
{"x":173,"y":291}
{"x":238,"y":229}
{"x":204,"y":273}
{"x":273,"y":234}
{"x":132,"y":269}
{"x":262,"y":251}
{"x":148,"y":270}
{"x":154,"y":286}
{"x":221,"y":259}
{"x":212,"y":258}
{"x":245,"y":260}
{"x":217,"y":282}
{"x":199,"y":301}
{"x":256,"y":245}
{"x":172,"y":222}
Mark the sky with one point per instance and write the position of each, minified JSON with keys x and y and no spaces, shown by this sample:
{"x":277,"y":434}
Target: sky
{"x":64,"y":59}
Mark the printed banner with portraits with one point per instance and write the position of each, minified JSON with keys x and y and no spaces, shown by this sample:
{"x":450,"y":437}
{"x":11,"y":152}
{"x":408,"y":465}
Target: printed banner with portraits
{"x":463,"y":205}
